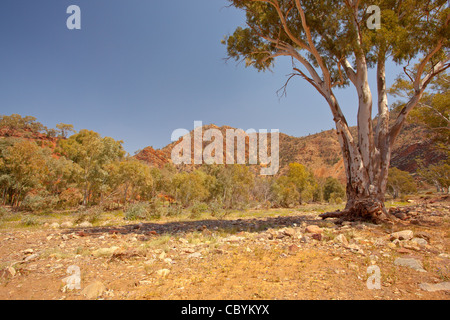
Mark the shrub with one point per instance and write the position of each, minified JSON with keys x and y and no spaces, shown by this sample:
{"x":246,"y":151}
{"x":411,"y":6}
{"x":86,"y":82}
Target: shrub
{"x":197,"y":209}
{"x":91,"y":215}
{"x":137,"y":211}
{"x":174,"y":210}
{"x":37,"y":202}
{"x":30,"y":221}
{"x":70,"y":198}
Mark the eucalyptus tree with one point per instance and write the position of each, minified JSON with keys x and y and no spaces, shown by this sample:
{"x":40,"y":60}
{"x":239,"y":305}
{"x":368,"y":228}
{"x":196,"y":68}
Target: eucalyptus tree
{"x":333,"y":44}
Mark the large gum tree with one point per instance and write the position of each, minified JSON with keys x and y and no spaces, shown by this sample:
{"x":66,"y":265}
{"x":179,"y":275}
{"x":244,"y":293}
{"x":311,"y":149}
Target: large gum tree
{"x":332,"y":44}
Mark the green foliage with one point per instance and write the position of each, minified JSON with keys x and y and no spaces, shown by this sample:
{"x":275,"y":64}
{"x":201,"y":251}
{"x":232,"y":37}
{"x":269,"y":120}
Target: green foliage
{"x":285,"y":192}
{"x":438,"y":175}
{"x":17,"y":123}
{"x":433,"y":110}
{"x":400,"y":183}
{"x":333,"y":190}
{"x":197,"y":209}
{"x":91,"y":215}
{"x":137,"y":211}
{"x":39,"y":202}
{"x":92,"y":154}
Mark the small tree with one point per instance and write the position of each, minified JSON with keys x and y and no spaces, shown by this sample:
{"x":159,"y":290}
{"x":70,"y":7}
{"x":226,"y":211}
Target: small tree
{"x":333,"y":189}
{"x":64,"y":129}
{"x":438,"y":175}
{"x":400,"y":183}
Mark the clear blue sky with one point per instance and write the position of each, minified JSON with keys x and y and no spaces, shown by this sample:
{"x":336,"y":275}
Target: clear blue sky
{"x":139,"y":69}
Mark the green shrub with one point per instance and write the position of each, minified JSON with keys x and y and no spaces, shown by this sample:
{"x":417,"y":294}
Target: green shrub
{"x":174,"y":210}
{"x":37,"y":202}
{"x":197,"y":209}
{"x":137,"y":211}
{"x":91,"y":215}
{"x":30,"y":221}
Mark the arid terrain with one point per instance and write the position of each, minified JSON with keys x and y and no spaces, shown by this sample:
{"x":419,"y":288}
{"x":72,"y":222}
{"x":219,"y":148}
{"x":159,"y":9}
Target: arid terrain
{"x":264,"y":254}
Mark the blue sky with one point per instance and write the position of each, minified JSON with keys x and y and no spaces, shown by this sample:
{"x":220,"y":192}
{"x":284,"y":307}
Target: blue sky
{"x":139,"y":69}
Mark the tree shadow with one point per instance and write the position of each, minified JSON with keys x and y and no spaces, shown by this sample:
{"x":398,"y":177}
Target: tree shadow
{"x":214,"y":225}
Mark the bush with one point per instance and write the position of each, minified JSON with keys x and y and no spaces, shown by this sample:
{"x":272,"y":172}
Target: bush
{"x":36,"y":203}
{"x":216,"y":209}
{"x":137,"y":211}
{"x":30,"y":221}
{"x":91,"y":215}
{"x":333,"y":191}
{"x":70,"y":198}
{"x":157,"y":209}
{"x":197,"y":209}
{"x":174,"y":210}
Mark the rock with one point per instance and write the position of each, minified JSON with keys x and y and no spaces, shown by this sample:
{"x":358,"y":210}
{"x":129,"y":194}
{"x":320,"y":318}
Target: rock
{"x":293,"y":248}
{"x":402,"y":235}
{"x":234,"y":238}
{"x":423,"y":235}
{"x":419,"y":241}
{"x":163,"y":273}
{"x":194,"y":255}
{"x":162,"y":256}
{"x":104,"y":252}
{"x":11,"y":271}
{"x":54,"y":225}
{"x":313,"y":229}
{"x":289,"y":232}
{"x":443,"y":286}
{"x":142,"y":237}
{"x":28,"y":251}
{"x":67,"y":224}
{"x":85,"y":224}
{"x":94,"y":290}
{"x":401,"y":215}
{"x":341,"y":239}
{"x":317,"y":236}
{"x":410,"y":263}
{"x":31,"y":257}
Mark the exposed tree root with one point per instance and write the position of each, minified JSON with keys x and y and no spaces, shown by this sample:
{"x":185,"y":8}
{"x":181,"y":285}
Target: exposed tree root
{"x":362,"y":210}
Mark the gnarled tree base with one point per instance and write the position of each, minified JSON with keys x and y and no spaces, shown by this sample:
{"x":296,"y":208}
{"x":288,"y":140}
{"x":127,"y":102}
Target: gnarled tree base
{"x":361,"y":210}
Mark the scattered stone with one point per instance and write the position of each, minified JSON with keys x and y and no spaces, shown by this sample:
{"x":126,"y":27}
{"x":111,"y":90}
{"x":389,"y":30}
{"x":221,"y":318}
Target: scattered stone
{"x":142,"y":237}
{"x":54,"y":225}
{"x":28,"y":251}
{"x":402,"y":235}
{"x":289,"y":232}
{"x":31,"y":257}
{"x":430,"y":287}
{"x":423,"y":235}
{"x":419,"y":241}
{"x":410,"y":263}
{"x":11,"y":271}
{"x":163,"y":273}
{"x":293,"y":248}
{"x":341,"y":239}
{"x":85,"y":224}
{"x":67,"y":224}
{"x":194,"y":255}
{"x":234,"y":239}
{"x":317,"y":236}
{"x":401,"y":215}
{"x":404,"y":251}
{"x":104,"y":252}
{"x":162,"y":256}
{"x":313,"y":229}
{"x":94,"y":290}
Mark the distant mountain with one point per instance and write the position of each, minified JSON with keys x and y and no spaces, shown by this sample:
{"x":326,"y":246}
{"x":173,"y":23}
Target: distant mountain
{"x":320,"y":152}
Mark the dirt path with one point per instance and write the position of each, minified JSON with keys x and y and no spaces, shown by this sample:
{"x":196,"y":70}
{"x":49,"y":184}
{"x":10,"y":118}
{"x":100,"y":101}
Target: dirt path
{"x":289,"y":257}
